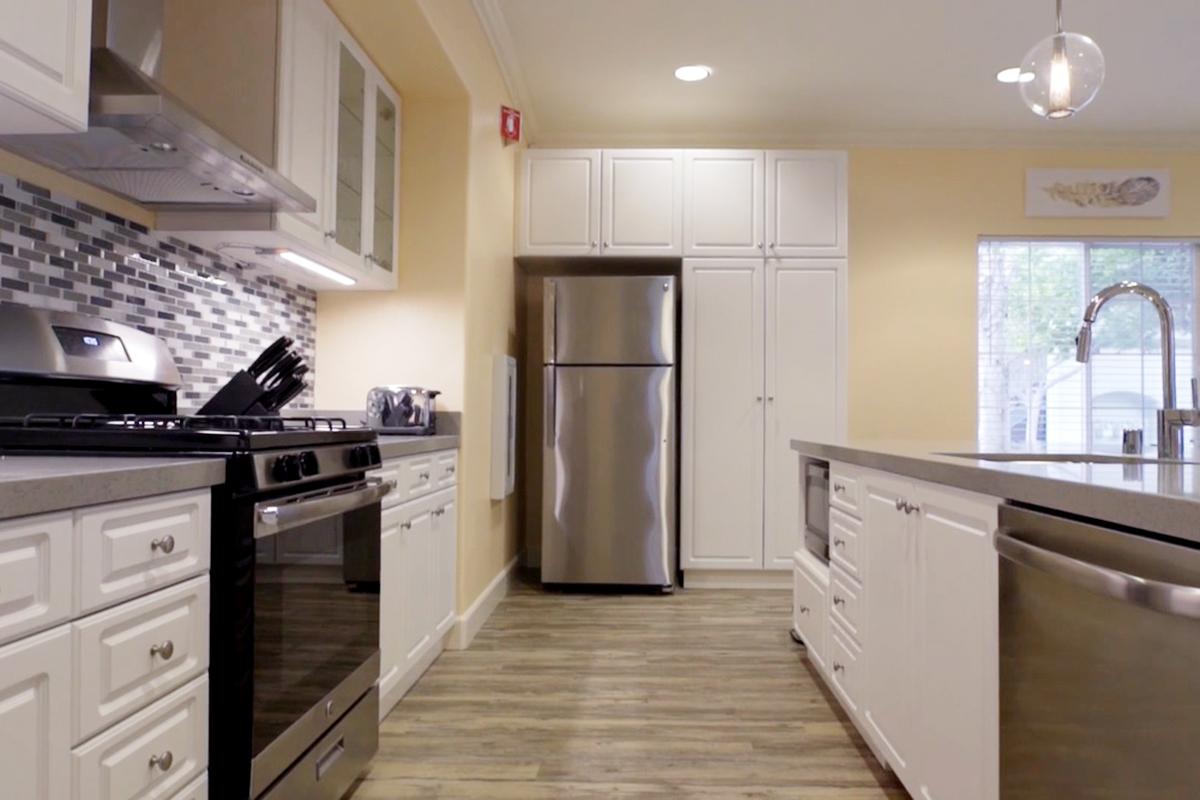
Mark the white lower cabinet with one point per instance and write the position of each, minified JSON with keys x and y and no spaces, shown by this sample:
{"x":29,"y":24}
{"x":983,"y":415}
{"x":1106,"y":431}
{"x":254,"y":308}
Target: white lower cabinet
{"x":911,"y":647}
{"x":809,"y":620}
{"x":126,"y":686}
{"x":418,"y":549}
{"x":35,"y":716}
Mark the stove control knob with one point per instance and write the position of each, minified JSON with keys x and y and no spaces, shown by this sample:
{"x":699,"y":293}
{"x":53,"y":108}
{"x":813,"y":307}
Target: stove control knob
{"x":360,"y":456}
{"x":376,"y":456}
{"x":308,"y":464}
{"x":286,"y":468}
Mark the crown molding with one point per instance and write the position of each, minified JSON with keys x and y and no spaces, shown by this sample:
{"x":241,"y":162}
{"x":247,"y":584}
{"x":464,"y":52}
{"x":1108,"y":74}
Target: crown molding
{"x":505,"y":50}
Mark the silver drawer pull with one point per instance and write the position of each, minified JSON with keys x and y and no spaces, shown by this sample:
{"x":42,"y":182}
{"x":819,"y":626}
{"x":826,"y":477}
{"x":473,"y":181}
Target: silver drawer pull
{"x":839,"y":488}
{"x":164,"y":651}
{"x":839,"y":542}
{"x":163,"y":760}
{"x":450,"y":470}
{"x":803,"y":609}
{"x":166,"y":544}
{"x":838,"y":667}
{"x":406,"y":525}
{"x":839,"y":601}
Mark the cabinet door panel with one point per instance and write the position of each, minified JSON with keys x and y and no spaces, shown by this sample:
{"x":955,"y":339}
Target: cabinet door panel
{"x":45,"y":64}
{"x":391,"y":602}
{"x":805,"y":351}
{"x":722,"y":441}
{"x":889,"y":632}
{"x":806,"y":203}
{"x":350,"y":138}
{"x":957,"y":658}
{"x":641,"y":205}
{"x":417,"y":584}
{"x":559,"y":203}
{"x":36,"y":557}
{"x":307,"y":108}
{"x":445,"y":568}
{"x":35,"y":716}
{"x":723,"y":203}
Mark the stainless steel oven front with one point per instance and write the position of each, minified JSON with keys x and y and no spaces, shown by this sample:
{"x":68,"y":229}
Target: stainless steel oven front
{"x":816,"y":508}
{"x":295,"y":636}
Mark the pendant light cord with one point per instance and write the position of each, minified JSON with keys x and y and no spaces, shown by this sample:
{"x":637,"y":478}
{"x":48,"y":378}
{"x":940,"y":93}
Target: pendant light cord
{"x":1059,"y":15}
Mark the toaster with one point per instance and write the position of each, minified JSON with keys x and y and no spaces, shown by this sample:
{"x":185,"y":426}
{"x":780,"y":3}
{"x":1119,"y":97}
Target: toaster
{"x":403,"y":410}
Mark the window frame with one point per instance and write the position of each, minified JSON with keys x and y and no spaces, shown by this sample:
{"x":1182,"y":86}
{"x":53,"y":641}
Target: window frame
{"x":1087,"y":243}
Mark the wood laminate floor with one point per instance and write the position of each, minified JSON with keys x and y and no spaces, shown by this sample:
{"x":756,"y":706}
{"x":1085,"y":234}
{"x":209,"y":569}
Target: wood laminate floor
{"x":701,"y":694}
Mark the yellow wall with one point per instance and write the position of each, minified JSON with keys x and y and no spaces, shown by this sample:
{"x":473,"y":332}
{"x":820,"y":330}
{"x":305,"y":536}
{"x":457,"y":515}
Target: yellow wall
{"x":915,"y":218}
{"x":455,"y":306}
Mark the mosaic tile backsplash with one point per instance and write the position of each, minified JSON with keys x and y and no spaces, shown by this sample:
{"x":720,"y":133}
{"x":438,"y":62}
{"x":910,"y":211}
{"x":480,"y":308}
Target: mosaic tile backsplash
{"x":215,"y":316}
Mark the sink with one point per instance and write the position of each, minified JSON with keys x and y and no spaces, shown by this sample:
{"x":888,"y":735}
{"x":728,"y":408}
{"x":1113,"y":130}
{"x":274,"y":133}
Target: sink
{"x":1064,"y":458}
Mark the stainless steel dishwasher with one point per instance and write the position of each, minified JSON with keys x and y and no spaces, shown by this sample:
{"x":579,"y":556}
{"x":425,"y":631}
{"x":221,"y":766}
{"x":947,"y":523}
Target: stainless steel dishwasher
{"x":1099,"y":661}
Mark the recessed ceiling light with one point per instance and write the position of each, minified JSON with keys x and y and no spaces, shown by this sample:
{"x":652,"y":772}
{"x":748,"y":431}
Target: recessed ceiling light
{"x":1014,"y":75}
{"x":693,"y":72}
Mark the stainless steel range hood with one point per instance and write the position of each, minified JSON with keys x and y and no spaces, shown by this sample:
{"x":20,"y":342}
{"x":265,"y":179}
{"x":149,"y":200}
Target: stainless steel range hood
{"x":182,"y":108}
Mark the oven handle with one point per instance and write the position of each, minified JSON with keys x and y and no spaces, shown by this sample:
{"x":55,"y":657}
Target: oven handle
{"x":1169,"y":598}
{"x":272,"y":517}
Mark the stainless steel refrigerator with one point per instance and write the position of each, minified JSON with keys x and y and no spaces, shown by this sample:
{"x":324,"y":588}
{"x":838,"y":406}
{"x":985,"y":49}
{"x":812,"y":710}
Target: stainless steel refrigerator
{"x":609,"y":434}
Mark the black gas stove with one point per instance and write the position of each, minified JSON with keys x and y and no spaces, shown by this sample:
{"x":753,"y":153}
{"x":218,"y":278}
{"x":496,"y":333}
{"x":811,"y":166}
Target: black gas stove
{"x":295,"y":544}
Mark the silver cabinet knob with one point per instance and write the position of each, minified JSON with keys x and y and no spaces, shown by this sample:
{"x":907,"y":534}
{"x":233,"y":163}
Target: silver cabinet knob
{"x":406,"y":525}
{"x":330,"y":234}
{"x":771,"y":245}
{"x":164,"y":651}
{"x":594,"y":243}
{"x":803,"y":609}
{"x":912,"y":508}
{"x":424,"y":476}
{"x":450,"y":470}
{"x":758,"y":398}
{"x":839,"y":488}
{"x":163,"y":760}
{"x":900,"y":504}
{"x":838,"y":667}
{"x":166,"y":544}
{"x":839,"y":601}
{"x":839,"y":542}
{"x":608,"y":244}
{"x":759,"y":245}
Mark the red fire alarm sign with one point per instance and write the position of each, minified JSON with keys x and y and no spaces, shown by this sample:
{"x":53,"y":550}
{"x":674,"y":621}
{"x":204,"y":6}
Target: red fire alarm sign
{"x":510,"y":124}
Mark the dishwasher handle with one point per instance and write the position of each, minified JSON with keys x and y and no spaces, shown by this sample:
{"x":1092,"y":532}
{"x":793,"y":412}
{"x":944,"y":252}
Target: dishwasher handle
{"x":1169,"y":598}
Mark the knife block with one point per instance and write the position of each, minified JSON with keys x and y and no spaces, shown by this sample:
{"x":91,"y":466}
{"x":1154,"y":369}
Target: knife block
{"x":239,"y":397}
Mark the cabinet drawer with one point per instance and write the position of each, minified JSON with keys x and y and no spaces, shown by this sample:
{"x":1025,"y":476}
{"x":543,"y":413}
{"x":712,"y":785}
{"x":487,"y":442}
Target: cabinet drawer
{"x":446,"y":469}
{"x":843,"y":490}
{"x":128,"y":549}
{"x":844,"y":667}
{"x":35,"y":574}
{"x":808,"y":613}
{"x":845,"y":543}
{"x":133,"y":654}
{"x":845,"y":603}
{"x":414,"y":477}
{"x":196,"y":790}
{"x":35,"y":716}
{"x":150,"y":756}
{"x":389,"y":472}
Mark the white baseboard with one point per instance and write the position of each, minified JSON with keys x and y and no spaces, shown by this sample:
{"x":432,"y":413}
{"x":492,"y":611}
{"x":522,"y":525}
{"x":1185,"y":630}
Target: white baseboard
{"x":393,"y":687}
{"x":471,"y":620}
{"x":737,"y":579}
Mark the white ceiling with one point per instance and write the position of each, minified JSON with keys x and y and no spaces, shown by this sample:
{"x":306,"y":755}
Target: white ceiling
{"x":837,"y":72}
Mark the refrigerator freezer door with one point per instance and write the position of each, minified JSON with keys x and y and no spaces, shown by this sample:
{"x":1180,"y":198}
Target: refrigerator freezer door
{"x":610,"y":320}
{"x":608,"y":502}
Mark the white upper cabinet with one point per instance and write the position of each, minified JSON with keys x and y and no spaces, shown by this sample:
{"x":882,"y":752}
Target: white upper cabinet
{"x":45,"y":64}
{"x":641,"y":203}
{"x":805,"y":343}
{"x":723,"y":199}
{"x":305,"y":136}
{"x":806,"y":203}
{"x":722,"y":430}
{"x":559,"y":203}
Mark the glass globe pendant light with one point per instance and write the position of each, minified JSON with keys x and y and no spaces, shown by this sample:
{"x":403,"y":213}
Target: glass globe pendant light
{"x":1067,"y":70}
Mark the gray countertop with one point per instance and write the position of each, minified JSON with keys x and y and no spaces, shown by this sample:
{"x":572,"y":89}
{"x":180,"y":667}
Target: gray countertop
{"x":38,"y":484}
{"x":399,"y":446}
{"x":1164,"y":498}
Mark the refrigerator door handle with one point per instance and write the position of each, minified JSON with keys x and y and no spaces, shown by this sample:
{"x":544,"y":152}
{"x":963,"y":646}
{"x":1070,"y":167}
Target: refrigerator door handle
{"x":549,"y":401}
{"x":549,"y":321}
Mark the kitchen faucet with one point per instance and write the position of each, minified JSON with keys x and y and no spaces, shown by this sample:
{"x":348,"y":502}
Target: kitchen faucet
{"x":1171,"y":420}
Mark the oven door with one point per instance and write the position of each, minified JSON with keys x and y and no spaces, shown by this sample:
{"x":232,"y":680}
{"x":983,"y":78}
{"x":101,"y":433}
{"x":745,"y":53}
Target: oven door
{"x":316,"y":618}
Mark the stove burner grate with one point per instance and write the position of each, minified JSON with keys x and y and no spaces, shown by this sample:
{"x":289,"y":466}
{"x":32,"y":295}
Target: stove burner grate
{"x":140,"y":422}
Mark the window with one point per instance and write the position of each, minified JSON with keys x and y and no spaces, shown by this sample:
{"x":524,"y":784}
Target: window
{"x":1033,"y":394}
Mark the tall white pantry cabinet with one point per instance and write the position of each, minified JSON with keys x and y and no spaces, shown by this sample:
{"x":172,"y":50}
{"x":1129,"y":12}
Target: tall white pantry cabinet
{"x":762,"y":238}
{"x":764,"y":349}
